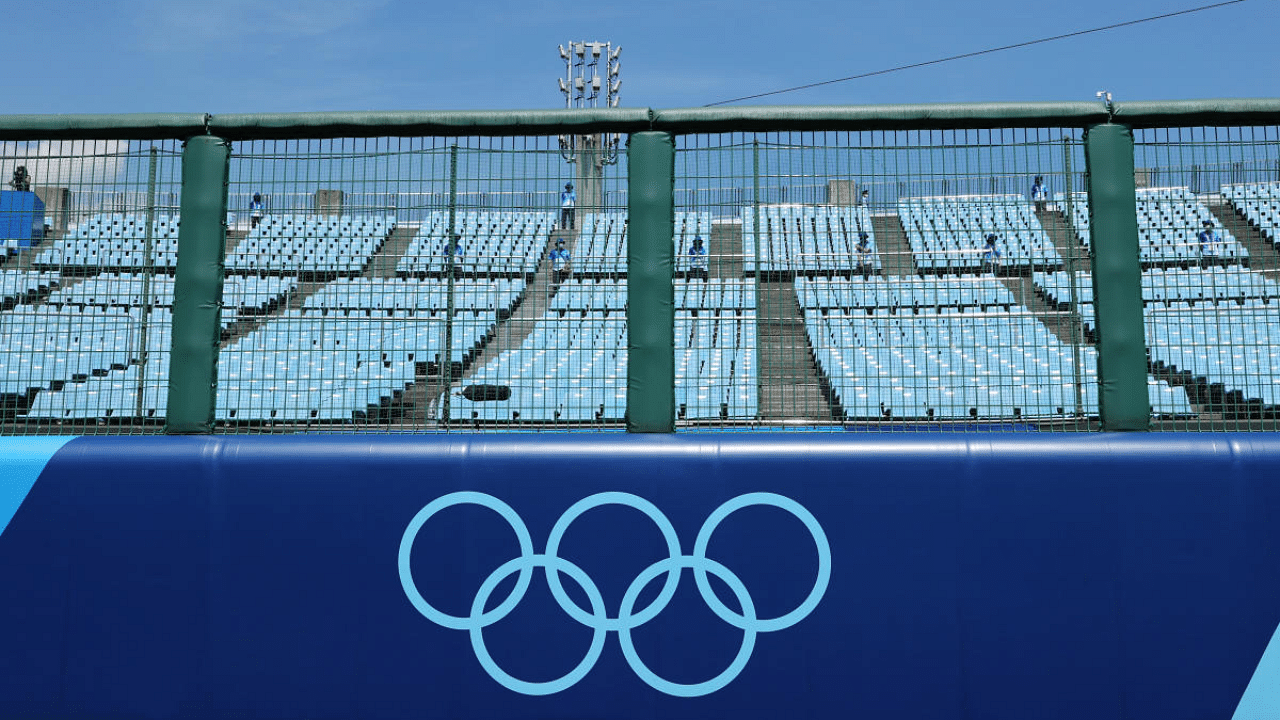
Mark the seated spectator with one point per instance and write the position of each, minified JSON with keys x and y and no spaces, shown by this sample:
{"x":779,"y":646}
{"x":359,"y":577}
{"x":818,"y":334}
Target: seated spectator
{"x":453,"y":255}
{"x":864,"y":255}
{"x":991,"y":255}
{"x":560,"y":262}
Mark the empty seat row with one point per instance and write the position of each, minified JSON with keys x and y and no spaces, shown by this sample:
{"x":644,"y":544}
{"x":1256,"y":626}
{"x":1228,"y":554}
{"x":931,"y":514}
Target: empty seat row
{"x":808,"y":239}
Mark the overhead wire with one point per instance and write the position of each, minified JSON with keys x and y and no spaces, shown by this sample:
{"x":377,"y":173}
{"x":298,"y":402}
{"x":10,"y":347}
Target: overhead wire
{"x":977,"y":53}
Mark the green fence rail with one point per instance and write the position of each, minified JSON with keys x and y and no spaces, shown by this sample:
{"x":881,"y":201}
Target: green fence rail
{"x":965,"y":268}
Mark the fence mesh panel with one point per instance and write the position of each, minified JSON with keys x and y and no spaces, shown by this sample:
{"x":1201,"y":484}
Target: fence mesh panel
{"x":849,"y":282}
{"x":867,"y":281}
{"x":1208,"y":209}
{"x":424,"y":284}
{"x":90,"y":235}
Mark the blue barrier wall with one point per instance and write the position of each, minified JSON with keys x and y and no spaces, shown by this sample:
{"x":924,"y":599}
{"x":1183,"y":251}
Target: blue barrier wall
{"x":820,"y":576}
{"x":21,"y":216}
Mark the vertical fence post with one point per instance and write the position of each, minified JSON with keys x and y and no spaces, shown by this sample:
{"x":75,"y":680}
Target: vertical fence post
{"x":1077,"y":327}
{"x":651,"y":394}
{"x":1117,"y":278}
{"x":148,"y":270}
{"x":197,"y":301}
{"x":451,"y":258}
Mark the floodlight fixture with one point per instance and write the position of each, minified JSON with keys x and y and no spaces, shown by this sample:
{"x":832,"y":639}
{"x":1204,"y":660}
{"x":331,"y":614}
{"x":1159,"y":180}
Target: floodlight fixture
{"x":584,"y":86}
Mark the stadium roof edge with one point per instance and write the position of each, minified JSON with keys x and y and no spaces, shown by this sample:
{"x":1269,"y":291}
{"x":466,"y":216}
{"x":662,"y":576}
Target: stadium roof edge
{"x":249,"y":126}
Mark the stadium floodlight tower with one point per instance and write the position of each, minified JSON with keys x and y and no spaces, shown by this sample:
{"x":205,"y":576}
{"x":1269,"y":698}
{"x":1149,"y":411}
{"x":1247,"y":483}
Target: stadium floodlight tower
{"x":592,"y":79}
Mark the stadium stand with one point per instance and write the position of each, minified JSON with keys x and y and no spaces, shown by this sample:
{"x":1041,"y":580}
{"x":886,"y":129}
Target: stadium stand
{"x":947,"y":234}
{"x":806,"y":240}
{"x":320,"y":247}
{"x":967,"y":360}
{"x":1169,"y":223}
{"x":242,"y":295}
{"x":347,"y":354}
{"x":1259,"y":204}
{"x":602,"y":246}
{"x":497,"y":243}
{"x":569,"y":369}
{"x":501,"y":295}
{"x":572,"y":367}
{"x":1208,"y":329}
{"x":25,"y":286}
{"x":51,"y":356}
{"x":111,"y":241}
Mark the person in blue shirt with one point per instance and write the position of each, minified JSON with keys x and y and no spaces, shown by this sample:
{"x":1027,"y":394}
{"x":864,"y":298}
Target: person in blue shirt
{"x":1039,"y":195}
{"x":560,"y":262}
{"x":863,"y":251}
{"x":1210,"y":243}
{"x":454,"y":249}
{"x":256,"y":211}
{"x":991,"y":255}
{"x":568,"y":203}
{"x":697,"y":260}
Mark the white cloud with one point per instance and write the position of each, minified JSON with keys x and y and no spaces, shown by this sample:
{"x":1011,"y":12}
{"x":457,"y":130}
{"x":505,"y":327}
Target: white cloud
{"x":68,"y":163}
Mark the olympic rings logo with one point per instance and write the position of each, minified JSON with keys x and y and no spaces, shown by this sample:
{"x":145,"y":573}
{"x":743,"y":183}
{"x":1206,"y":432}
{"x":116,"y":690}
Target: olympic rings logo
{"x":628,"y":617}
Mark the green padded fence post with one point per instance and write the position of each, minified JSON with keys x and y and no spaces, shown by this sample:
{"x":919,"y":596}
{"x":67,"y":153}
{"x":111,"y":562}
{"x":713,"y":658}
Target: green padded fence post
{"x":1117,"y":278}
{"x":197,"y":299}
{"x":651,"y":364}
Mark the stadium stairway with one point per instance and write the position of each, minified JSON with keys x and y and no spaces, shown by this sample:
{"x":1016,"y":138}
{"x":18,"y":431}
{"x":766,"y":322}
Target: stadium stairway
{"x":296,"y":301}
{"x":891,"y":242}
{"x":724,"y":249}
{"x":1061,"y":233}
{"x":421,"y":398}
{"x":383,"y":262}
{"x":789,"y":383}
{"x":1067,"y":326}
{"x":234,"y":237}
{"x":1262,"y":254}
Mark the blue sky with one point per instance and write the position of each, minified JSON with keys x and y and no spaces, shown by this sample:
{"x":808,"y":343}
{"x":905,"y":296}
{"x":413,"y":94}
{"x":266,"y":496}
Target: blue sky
{"x":312,"y":55}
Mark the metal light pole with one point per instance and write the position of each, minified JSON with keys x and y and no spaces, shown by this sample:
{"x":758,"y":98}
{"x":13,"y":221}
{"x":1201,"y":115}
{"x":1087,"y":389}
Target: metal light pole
{"x":592,"y":79}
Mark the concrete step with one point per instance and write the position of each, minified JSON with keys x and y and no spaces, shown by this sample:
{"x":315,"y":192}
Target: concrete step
{"x":891,"y":242}
{"x":789,"y":384}
{"x":1062,"y":234}
{"x":1262,"y":253}
{"x":724,"y":251}
{"x":383,"y":263}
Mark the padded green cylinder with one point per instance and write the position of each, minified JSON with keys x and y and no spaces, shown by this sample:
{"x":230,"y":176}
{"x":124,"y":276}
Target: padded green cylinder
{"x":197,"y":301}
{"x":651,"y":380}
{"x":1117,"y":278}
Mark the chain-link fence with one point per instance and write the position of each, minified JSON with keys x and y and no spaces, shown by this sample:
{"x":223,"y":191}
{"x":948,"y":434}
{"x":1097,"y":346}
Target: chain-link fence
{"x":905,"y":292}
{"x":868,"y":279}
{"x":91,"y":232}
